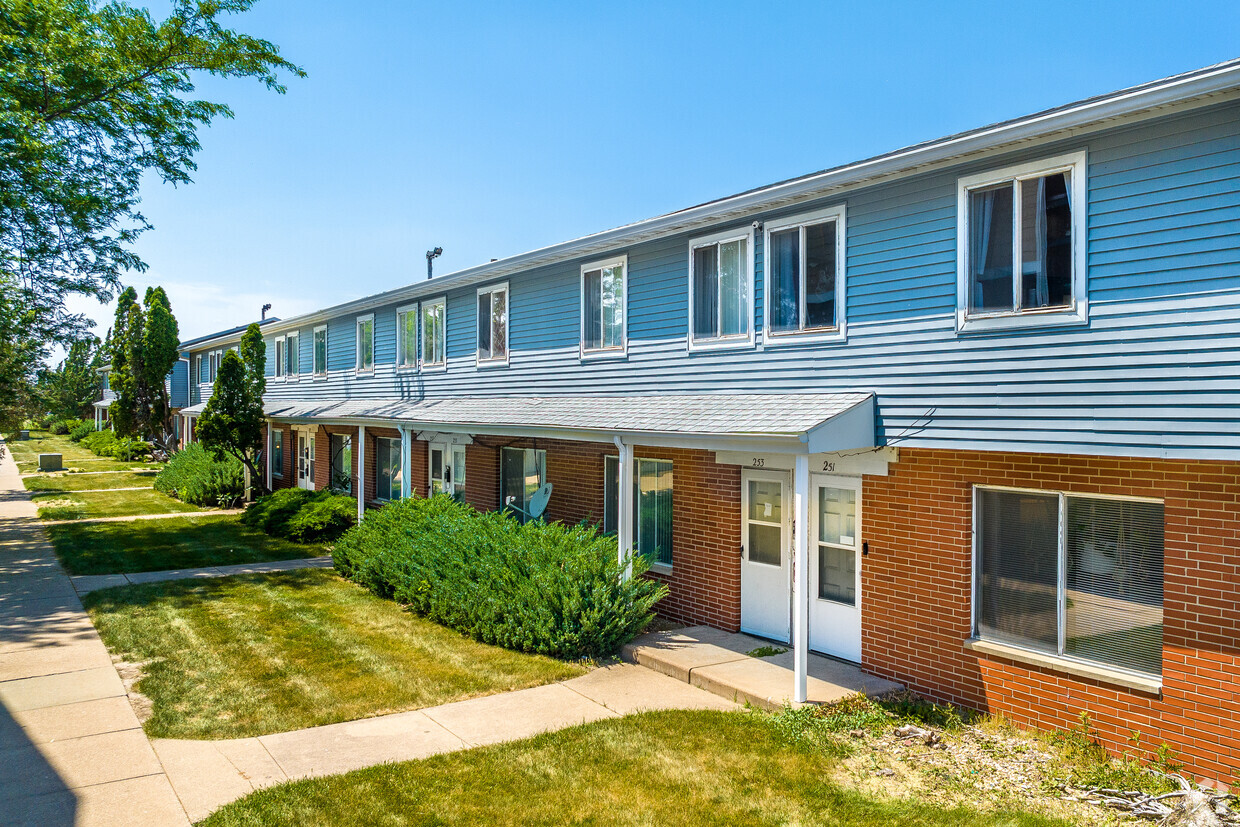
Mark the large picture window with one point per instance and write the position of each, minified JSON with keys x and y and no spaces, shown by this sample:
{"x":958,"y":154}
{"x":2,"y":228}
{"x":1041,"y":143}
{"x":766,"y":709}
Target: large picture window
{"x":434,"y":333}
{"x":493,"y":324}
{"x":805,"y":273}
{"x":277,"y":453}
{"x":603,"y":296}
{"x":387,"y":469}
{"x":522,"y":472}
{"x":720,"y":285}
{"x":1073,"y":576}
{"x":652,"y":506}
{"x":1021,"y":244}
{"x":342,"y":463}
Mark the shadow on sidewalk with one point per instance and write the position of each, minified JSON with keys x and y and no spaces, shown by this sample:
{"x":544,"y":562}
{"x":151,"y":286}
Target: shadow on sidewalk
{"x":31,"y":791}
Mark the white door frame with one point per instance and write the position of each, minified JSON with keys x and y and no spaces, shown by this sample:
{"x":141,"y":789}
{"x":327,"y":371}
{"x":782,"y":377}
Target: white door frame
{"x":835,"y":627}
{"x":305,"y":456}
{"x":766,"y":590}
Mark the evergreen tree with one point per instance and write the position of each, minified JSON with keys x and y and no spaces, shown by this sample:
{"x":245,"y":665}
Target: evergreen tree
{"x":143,"y":349}
{"x":232,"y":423}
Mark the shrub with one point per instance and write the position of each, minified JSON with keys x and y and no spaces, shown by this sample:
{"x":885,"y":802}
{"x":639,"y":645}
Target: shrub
{"x":303,"y":516}
{"x":79,"y":432}
{"x":194,"y":476}
{"x":538,"y":587}
{"x":60,"y":427}
{"x":108,"y":444}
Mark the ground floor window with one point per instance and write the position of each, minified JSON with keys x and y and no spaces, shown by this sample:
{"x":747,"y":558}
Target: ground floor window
{"x":522,"y":472}
{"x":1074,"y":576}
{"x":342,"y":463}
{"x":387,"y":469}
{"x":652,"y":496}
{"x":277,"y":453}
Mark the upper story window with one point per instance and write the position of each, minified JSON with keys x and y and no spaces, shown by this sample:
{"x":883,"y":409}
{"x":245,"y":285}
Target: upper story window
{"x":366,"y":342}
{"x":292,"y":355}
{"x":1073,"y":576}
{"x":804,"y":258}
{"x":434,"y":333}
{"x":407,"y":337}
{"x":493,"y":324}
{"x":1021,"y":245}
{"x":604,"y":289}
{"x":721,"y":289}
{"x":280,"y":356}
{"x":320,"y":351}
{"x":198,"y":377}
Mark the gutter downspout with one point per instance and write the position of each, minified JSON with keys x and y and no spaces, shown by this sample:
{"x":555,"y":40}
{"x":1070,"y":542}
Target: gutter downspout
{"x":361,"y":473}
{"x":624,"y":508}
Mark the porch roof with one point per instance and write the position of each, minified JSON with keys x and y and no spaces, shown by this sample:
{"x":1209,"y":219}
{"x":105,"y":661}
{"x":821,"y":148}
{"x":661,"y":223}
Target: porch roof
{"x":811,"y":422}
{"x":194,"y":410}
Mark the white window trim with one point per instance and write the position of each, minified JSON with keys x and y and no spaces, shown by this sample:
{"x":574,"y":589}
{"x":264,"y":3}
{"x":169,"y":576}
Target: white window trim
{"x":434,"y":367}
{"x":606,"y":352}
{"x":652,"y":564}
{"x":279,"y":346}
{"x":492,"y":363}
{"x":357,"y":355}
{"x":288,"y":376}
{"x":316,"y":373}
{"x":198,"y":369}
{"x":401,"y":344}
{"x":821,"y":334}
{"x":1078,"y":312}
{"x":722,"y":342}
{"x":1054,"y":660}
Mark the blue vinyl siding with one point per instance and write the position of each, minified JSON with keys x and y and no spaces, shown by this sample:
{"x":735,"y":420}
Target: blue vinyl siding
{"x":1154,"y":372}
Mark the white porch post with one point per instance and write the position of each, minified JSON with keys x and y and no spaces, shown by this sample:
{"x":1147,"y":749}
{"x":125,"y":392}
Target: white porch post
{"x":624,"y":506}
{"x":360,"y":491}
{"x":270,"y":441}
{"x":406,"y":483}
{"x":800,"y":577}
{"x":97,"y":418}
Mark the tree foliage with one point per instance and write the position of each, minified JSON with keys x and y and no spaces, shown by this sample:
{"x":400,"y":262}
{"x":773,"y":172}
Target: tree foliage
{"x":20,"y":352}
{"x":92,"y":97}
{"x":70,"y":390}
{"x":143,"y":350}
{"x":232,"y":422}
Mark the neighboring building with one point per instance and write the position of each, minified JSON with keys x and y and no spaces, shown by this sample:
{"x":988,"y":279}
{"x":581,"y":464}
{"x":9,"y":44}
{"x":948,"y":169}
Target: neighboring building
{"x":106,"y":397}
{"x":964,"y":413}
{"x":199,"y":368}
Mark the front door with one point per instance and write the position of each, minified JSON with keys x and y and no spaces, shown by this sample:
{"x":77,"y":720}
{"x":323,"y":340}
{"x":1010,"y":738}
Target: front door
{"x":765,"y":555}
{"x":835,"y":567}
{"x":305,"y":460}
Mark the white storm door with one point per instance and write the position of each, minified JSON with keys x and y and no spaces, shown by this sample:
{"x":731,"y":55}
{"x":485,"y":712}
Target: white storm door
{"x":305,"y":460}
{"x":766,"y":559}
{"x":835,"y":567}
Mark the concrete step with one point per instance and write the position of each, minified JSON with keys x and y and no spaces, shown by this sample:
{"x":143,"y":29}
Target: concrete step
{"x":716,"y":661}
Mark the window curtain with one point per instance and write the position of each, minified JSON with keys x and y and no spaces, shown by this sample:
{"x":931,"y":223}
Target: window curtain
{"x":1041,"y":290}
{"x":981,"y":214}
{"x":785,"y":258}
{"x":706,"y":292}
{"x":594,"y":309}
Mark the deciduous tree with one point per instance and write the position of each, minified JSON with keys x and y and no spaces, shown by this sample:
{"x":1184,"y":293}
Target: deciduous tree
{"x":232,"y":422}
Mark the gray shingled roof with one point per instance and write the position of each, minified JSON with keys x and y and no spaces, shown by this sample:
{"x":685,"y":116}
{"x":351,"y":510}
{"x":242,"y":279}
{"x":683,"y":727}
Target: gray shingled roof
{"x":771,"y":415}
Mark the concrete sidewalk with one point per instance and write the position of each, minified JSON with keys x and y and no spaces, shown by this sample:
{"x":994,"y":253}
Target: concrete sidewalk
{"x":71,"y":749}
{"x":716,"y":661}
{"x":208,"y":774}
{"x":84,"y":583}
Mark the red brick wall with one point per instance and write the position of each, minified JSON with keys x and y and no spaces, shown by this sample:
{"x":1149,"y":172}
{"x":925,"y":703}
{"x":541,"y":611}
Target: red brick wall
{"x":704,"y":582}
{"x":916,"y":592}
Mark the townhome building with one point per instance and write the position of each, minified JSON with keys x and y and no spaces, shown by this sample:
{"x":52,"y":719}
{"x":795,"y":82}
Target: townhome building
{"x":964,"y":414}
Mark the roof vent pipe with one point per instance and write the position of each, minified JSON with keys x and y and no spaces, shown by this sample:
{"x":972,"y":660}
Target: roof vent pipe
{"x":431,"y":255}
{"x":266,"y":307}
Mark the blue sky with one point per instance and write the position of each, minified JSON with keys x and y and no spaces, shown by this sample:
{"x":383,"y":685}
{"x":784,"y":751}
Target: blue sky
{"x":494,"y":128}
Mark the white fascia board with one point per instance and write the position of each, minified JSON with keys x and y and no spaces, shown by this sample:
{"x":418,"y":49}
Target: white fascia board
{"x":852,"y":429}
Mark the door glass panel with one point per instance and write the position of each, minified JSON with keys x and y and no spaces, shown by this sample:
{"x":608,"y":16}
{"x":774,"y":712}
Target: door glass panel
{"x":765,"y":500}
{"x":837,"y":516}
{"x":837,"y":574}
{"x":766,"y":544}
{"x":436,"y":471}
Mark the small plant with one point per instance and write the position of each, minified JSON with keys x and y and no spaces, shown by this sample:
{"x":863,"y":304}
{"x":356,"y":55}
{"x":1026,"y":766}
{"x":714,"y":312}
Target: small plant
{"x":766,"y":651}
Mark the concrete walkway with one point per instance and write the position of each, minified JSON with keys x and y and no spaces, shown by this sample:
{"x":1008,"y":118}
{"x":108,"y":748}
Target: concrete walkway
{"x":715,"y":660}
{"x":208,"y":774}
{"x":71,"y":749}
{"x":84,"y":583}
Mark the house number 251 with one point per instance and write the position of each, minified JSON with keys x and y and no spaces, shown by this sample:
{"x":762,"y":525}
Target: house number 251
{"x":828,"y":465}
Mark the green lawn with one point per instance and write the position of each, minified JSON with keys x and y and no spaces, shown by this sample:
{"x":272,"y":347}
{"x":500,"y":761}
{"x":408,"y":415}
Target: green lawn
{"x":169,"y":543}
{"x":254,"y":654}
{"x":711,"y":768}
{"x":90,"y":482}
{"x":82,"y":506}
{"x":26,"y":454}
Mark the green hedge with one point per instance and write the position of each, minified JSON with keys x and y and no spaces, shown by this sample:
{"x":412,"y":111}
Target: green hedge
{"x":79,"y":432}
{"x":194,"y":476}
{"x":60,"y":427}
{"x":538,"y":587}
{"x":108,"y":444}
{"x":303,"y":516}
